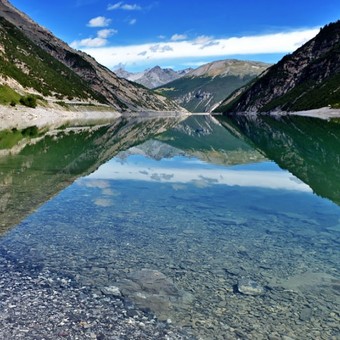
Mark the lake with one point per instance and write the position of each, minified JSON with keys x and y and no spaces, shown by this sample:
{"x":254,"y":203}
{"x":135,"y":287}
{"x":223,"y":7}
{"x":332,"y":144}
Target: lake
{"x":171,"y":228}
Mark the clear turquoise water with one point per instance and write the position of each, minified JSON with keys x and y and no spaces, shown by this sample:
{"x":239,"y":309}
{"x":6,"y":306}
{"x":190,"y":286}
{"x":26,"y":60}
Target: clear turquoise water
{"x":205,"y":227}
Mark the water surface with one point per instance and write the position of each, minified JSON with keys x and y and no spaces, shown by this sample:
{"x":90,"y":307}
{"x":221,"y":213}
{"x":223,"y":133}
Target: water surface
{"x":175,"y":221}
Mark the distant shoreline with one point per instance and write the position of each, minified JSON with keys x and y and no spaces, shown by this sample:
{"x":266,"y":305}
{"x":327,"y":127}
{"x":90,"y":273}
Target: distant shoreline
{"x":322,"y":113}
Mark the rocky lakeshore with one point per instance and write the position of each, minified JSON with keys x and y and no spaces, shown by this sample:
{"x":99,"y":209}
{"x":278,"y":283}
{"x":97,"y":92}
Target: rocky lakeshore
{"x":22,"y":117}
{"x":38,"y":304}
{"x":53,"y":117}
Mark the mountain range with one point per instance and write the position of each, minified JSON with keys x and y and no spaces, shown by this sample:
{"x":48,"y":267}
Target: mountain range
{"x":202,"y":89}
{"x":36,"y":66}
{"x":307,"y":79}
{"x":33,"y":60}
{"x":152,"y":77}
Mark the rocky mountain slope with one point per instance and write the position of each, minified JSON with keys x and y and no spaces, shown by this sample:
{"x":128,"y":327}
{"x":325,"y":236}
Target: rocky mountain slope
{"x":32,"y":59}
{"x":153,"y":77}
{"x":200,"y":90}
{"x":307,"y":79}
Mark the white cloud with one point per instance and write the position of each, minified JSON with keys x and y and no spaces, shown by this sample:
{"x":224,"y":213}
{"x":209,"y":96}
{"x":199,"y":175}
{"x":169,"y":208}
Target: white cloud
{"x":203,"y":46}
{"x":99,"y":41}
{"x":177,"y":37}
{"x":132,"y":21}
{"x":99,"y":22}
{"x":106,"y":32}
{"x":89,"y":43}
{"x":123,"y":6}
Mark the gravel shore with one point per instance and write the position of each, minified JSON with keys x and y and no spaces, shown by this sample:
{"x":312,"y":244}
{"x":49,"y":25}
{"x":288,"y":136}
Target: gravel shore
{"x":322,"y":113}
{"x":21,"y":116}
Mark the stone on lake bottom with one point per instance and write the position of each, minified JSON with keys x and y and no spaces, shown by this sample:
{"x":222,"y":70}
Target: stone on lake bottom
{"x":249,"y":287}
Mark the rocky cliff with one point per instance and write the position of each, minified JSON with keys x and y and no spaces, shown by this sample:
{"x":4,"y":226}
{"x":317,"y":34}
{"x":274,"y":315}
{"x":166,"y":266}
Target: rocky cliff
{"x":36,"y":47}
{"x":307,"y":79}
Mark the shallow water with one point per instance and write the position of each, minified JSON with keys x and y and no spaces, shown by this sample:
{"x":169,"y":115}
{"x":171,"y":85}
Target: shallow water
{"x":177,"y":236}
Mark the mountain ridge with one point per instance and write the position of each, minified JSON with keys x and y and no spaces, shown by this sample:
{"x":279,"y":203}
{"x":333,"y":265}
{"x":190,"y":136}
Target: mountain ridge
{"x":306,"y":79}
{"x":203,"y":88}
{"x":153,"y":77}
{"x":108,"y":88}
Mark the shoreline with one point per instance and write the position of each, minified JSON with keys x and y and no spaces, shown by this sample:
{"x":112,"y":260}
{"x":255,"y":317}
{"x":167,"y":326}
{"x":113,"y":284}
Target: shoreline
{"x":21,"y":117}
{"x":322,"y":113}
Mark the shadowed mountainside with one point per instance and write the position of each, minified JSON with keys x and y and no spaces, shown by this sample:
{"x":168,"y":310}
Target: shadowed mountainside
{"x":307,"y":79}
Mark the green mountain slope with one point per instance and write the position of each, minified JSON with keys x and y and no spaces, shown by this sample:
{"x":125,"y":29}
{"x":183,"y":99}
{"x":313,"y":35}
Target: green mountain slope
{"x":307,"y":79}
{"x":33,"y":60}
{"x":32,"y":67}
{"x":201,"y":89}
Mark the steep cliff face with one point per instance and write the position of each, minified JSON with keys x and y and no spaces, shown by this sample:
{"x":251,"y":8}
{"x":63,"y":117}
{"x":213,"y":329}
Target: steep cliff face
{"x":201,"y":89}
{"x":103,"y":85}
{"x":307,"y":79}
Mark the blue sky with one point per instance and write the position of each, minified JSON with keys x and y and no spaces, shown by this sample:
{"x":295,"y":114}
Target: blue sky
{"x":138,"y":34}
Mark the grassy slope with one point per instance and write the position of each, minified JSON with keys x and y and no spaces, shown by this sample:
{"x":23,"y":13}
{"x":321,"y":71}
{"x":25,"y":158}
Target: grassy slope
{"x":34,"y":68}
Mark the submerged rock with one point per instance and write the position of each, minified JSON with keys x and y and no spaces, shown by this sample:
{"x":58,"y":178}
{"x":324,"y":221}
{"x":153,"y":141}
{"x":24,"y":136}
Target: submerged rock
{"x":151,"y":289}
{"x":250,"y":287}
{"x":111,"y":290}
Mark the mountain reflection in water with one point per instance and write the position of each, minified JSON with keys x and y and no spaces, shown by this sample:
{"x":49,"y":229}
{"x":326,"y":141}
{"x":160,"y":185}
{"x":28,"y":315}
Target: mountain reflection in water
{"x":42,"y":164}
{"x":307,"y":147}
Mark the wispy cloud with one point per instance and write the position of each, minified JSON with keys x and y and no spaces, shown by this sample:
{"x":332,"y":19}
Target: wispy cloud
{"x":202,"y":40}
{"x":160,"y":48}
{"x":177,"y":37}
{"x":89,"y":42}
{"x":124,"y":6}
{"x":132,"y":21}
{"x":99,"y":22}
{"x":200,"y":47}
